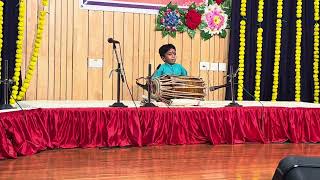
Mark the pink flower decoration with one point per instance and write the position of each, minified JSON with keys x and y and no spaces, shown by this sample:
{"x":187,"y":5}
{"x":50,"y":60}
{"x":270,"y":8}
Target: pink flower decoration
{"x":215,"y":18}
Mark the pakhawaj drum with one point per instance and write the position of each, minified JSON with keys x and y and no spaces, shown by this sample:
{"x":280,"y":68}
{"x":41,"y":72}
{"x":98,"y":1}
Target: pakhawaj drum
{"x":178,"y":87}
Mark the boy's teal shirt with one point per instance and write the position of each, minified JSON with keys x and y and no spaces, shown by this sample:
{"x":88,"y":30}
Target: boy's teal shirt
{"x":170,"y":69}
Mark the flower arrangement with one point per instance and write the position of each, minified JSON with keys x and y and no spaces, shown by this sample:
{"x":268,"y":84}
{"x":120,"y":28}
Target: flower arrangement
{"x":219,"y":1}
{"x":242,"y":46}
{"x":1,"y":32}
{"x":193,"y":18}
{"x":298,"y":51}
{"x":316,"y":52}
{"x":259,"y":51}
{"x":169,"y":20}
{"x":277,"y":51}
{"x":18,"y":95}
{"x":211,"y":19}
{"x":214,"y":22}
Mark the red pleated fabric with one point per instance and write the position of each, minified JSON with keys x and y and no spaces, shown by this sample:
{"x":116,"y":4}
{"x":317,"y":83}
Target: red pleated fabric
{"x":28,"y":132}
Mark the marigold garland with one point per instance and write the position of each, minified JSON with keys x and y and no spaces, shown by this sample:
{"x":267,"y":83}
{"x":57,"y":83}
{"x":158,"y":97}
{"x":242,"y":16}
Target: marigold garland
{"x":18,"y":95}
{"x":316,"y":52}
{"x":19,"y":52}
{"x":277,"y":51}
{"x":298,"y":51}
{"x":316,"y":10}
{"x":259,"y":51}
{"x":1,"y":33}
{"x":243,"y":8}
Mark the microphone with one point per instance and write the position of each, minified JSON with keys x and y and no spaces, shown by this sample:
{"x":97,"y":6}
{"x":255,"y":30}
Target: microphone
{"x":110,"y":40}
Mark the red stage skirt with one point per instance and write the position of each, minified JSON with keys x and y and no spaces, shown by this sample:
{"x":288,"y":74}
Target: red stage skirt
{"x":30,"y":131}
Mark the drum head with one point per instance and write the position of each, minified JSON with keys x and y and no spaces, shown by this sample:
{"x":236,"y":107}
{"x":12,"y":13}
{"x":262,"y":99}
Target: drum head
{"x":155,"y":87}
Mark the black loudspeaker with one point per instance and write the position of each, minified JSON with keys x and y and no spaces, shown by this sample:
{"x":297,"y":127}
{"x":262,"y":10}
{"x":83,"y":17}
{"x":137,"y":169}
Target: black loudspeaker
{"x":298,"y":168}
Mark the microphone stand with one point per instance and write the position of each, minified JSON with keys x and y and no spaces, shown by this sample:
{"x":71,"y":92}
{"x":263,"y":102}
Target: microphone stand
{"x":231,"y":83}
{"x":119,"y":75}
{"x":149,"y":103}
{"x":5,"y":90}
{"x":233,"y":102}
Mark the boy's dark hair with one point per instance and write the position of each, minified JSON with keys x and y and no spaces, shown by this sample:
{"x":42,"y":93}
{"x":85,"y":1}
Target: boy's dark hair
{"x":165,"y":48}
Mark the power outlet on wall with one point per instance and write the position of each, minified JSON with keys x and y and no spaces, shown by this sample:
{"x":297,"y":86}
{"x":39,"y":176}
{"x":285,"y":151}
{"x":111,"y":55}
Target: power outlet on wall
{"x":204,"y":66}
{"x":223,"y":67}
{"x":214,"y":67}
{"x":95,"y":63}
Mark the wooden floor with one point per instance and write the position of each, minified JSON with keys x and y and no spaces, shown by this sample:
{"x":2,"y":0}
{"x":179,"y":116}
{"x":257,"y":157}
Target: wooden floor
{"x":249,"y":161}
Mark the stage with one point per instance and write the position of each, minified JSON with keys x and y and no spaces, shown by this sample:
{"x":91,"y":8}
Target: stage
{"x":69,"y":124}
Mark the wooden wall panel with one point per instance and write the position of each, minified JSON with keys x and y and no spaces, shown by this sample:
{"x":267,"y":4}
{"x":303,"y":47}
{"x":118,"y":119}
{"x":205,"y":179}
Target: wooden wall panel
{"x":57,"y":50}
{"x":127,"y":53}
{"x":51,"y":55}
{"x":80,"y":53}
{"x":63,"y":46}
{"x":215,"y":57}
{"x":42,"y":81}
{"x":31,"y":23}
{"x":143,"y":46}
{"x":186,"y":50}
{"x":108,"y":58}
{"x":152,"y":49}
{"x":96,"y":43}
{"x":212,"y":53}
{"x":72,"y":36}
{"x":69,"y":63}
{"x":135,"y":61}
{"x":195,"y":55}
{"x":205,"y":56}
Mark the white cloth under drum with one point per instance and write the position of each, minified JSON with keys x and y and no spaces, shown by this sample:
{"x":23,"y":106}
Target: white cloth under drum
{"x":185,"y":102}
